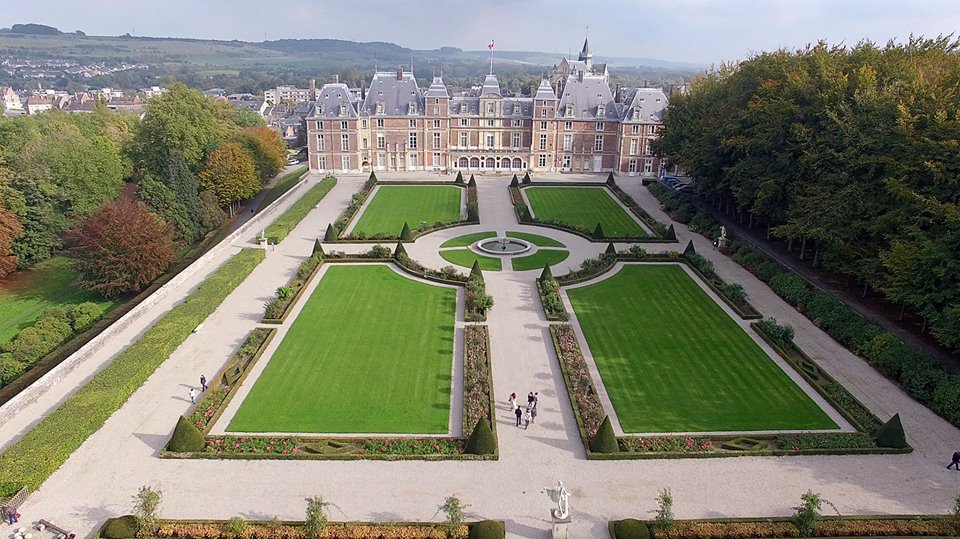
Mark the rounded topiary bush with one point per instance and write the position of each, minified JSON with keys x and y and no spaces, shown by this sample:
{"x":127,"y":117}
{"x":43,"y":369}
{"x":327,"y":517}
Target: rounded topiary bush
{"x":604,"y":441}
{"x":630,"y":528}
{"x":481,"y":441}
{"x":488,"y":529}
{"x":125,"y":527}
{"x":186,"y":438}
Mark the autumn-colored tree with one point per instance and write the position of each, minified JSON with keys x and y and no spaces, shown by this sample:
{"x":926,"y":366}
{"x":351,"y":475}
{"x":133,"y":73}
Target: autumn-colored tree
{"x":266,"y":148}
{"x":10,"y":228}
{"x":229,"y":172}
{"x":121,"y":248}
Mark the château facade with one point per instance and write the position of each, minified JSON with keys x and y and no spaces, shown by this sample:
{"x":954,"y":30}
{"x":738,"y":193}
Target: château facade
{"x":394,"y":125}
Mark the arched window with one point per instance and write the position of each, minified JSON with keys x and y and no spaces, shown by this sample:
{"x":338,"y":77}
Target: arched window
{"x":464,"y":162}
{"x":517,"y":163}
{"x":474,"y":162}
{"x":505,"y":163}
{"x":491,"y":163}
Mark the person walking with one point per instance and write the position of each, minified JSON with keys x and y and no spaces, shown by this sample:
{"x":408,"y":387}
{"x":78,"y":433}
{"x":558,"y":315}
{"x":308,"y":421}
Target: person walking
{"x":533,"y":414}
{"x":529,"y":399}
{"x":513,"y":401}
{"x":955,"y":461}
{"x":536,"y":399}
{"x":526,"y":419}
{"x":203,"y":383}
{"x":193,"y":396}
{"x":519,"y":414}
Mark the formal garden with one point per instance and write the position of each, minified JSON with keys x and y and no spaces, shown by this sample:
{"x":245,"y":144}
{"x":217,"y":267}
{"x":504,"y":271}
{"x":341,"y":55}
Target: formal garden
{"x":463,"y":251}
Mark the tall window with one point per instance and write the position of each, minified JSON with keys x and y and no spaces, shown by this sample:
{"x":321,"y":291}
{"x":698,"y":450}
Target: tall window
{"x":490,"y":138}
{"x":413,"y":140}
{"x":463,"y":139}
{"x":542,"y":161}
{"x":543,"y":141}
{"x":322,"y":162}
{"x":598,"y":143}
{"x":568,"y":142}
{"x":436,"y":159}
{"x":379,"y":107}
{"x":633,"y":166}
{"x":381,"y":160}
{"x":345,"y":162}
{"x":381,"y":141}
{"x":413,"y":123}
{"x":543,"y":113}
{"x":464,"y":122}
{"x":436,"y":139}
{"x":319,"y":125}
{"x":366,"y":143}
{"x":379,"y":122}
{"x":543,"y":125}
{"x":599,"y":126}
{"x":636,"y":129}
{"x":651,"y":129}
{"x":647,"y":149}
{"x":647,"y":166}
{"x":568,"y":126}
{"x":518,"y":123}
{"x":491,"y":123}
{"x":345,"y":142}
{"x":363,"y":124}
{"x":566,"y":161}
{"x":436,"y":124}
{"x":321,"y":143}
{"x":491,"y":108}
{"x":413,"y":161}
{"x":436,"y":111}
{"x":633,"y":147}
{"x":516,"y":140}
{"x":344,"y":126}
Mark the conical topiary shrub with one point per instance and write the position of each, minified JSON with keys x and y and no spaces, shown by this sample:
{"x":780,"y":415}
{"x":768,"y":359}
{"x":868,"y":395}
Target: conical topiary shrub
{"x":604,"y":441}
{"x":598,"y":232}
{"x":630,"y":528}
{"x":186,"y":438}
{"x":399,"y":253}
{"x":459,"y":177}
{"x":514,"y":182}
{"x":526,"y":178}
{"x":123,"y":527}
{"x":318,"y":249}
{"x":373,"y":177}
{"x":689,"y":249}
{"x":610,"y":180}
{"x":488,"y":529}
{"x":546,"y":274}
{"x":671,"y":233}
{"x":331,"y":234}
{"x":891,"y":434}
{"x":472,"y":182}
{"x":481,"y":441}
{"x":611,"y":249}
{"x":405,"y":234}
{"x":476,"y":272}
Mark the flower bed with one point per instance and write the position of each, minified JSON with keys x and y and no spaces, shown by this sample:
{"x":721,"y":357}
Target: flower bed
{"x":576,"y":374}
{"x":827,"y":526}
{"x":553,"y":308}
{"x":477,"y":385}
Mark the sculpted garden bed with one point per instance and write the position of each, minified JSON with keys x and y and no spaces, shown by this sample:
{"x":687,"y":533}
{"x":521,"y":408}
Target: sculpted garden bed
{"x":828,"y":526}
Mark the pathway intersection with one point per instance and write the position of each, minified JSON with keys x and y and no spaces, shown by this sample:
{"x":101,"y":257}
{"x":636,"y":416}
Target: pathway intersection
{"x":99,"y":480}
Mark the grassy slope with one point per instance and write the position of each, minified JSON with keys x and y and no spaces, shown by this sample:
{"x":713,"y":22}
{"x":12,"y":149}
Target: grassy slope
{"x":539,"y":259}
{"x":583,"y":206}
{"x":465,"y":258}
{"x":26,"y":294}
{"x":536,"y":239}
{"x":395,"y":204}
{"x":284,"y":184}
{"x":467,"y":239}
{"x":370,"y":352}
{"x":673,"y":361}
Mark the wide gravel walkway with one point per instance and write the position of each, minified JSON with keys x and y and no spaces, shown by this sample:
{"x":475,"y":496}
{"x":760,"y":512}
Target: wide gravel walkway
{"x":99,"y":480}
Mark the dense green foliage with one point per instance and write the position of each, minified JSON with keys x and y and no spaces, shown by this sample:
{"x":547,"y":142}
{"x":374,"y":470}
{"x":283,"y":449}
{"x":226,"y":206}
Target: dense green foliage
{"x":418,"y":205}
{"x":488,"y":529}
{"x":186,"y":438}
{"x":371,"y":351}
{"x":583,"y":208}
{"x":604,"y":441}
{"x":630,"y":528}
{"x":284,"y":184}
{"x":849,"y":153}
{"x":891,"y":434}
{"x":32,"y":458}
{"x":125,"y":527}
{"x":292,"y":217}
{"x":482,"y":441}
{"x":713,"y":379}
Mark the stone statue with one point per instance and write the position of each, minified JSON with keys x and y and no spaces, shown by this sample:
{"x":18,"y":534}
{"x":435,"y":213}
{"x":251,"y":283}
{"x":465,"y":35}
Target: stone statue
{"x":562,"y":499}
{"x":723,"y":234}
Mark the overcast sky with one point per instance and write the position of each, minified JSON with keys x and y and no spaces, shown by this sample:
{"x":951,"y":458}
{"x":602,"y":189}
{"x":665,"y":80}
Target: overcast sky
{"x":699,"y":31}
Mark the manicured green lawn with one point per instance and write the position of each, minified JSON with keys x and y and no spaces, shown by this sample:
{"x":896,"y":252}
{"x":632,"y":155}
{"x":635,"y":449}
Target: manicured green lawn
{"x":371,"y":351}
{"x":536,"y":239}
{"x":585,"y":207}
{"x":465,"y":258}
{"x":539,"y":259}
{"x":393,"y":205}
{"x":673,"y":361}
{"x":289,"y":219}
{"x":467,"y":239}
{"x":26,"y":294}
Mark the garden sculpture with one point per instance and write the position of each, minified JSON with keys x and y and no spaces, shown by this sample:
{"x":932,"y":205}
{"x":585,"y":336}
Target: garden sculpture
{"x":562,"y":499}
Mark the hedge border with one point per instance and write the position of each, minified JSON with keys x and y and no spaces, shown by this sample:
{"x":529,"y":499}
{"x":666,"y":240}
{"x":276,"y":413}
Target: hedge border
{"x":650,"y":222}
{"x":717,"y":451}
{"x":278,"y":231}
{"x":34,"y":457}
{"x":357,"y":440}
{"x":787,"y":520}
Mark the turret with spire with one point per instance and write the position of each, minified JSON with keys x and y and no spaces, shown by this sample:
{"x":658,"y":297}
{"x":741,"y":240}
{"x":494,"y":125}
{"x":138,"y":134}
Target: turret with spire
{"x":585,"y":55}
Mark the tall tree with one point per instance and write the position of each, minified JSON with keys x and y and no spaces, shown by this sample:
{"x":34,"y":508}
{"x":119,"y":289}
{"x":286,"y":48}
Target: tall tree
{"x":10,"y":228}
{"x":266,"y":148}
{"x":230,"y":174}
{"x":121,"y":248}
{"x":175,"y":197}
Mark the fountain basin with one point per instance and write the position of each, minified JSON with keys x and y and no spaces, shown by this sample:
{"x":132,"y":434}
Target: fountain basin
{"x":503,"y":246}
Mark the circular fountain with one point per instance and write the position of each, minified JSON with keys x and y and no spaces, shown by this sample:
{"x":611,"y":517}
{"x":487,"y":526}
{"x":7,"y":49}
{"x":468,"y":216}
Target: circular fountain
{"x":503,"y":246}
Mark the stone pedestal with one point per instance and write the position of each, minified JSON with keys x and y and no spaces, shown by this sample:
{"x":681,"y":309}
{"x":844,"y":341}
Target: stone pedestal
{"x":560,"y":530}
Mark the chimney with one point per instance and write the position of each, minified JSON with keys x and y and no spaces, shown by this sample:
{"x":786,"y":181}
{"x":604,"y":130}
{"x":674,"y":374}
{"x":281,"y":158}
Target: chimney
{"x":363,"y":90}
{"x":313,"y":89}
{"x":580,"y":76}
{"x":533,"y":90}
{"x":400,"y":73}
{"x":335,"y":78}
{"x":616,"y":94}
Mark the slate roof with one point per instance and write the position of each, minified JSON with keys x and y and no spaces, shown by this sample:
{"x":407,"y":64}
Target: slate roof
{"x":329,"y":99}
{"x":545,"y":91}
{"x":490,"y":86}
{"x":395,"y":94}
{"x":586,"y":96}
{"x":649,"y":103}
{"x":436,"y":89}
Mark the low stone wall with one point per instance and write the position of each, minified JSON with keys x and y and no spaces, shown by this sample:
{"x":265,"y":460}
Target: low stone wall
{"x":87,"y":351}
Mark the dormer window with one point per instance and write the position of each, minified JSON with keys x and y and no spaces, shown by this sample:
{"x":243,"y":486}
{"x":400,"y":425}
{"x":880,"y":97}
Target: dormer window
{"x":601,"y":109}
{"x":464,"y":109}
{"x":569,"y":111}
{"x":412,"y":107}
{"x":491,"y":108}
{"x":343,"y":109}
{"x":518,"y":109}
{"x":320,"y":108}
{"x":636,"y":113}
{"x":379,"y":107}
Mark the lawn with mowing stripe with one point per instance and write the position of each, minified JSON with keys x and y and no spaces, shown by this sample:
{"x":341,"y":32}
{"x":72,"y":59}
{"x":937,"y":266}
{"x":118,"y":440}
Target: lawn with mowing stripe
{"x":466,"y":257}
{"x":539,"y":259}
{"x":371,"y":351}
{"x":467,"y":239}
{"x":26,"y":294}
{"x":585,"y":207}
{"x":673,"y":361}
{"x":393,"y":205}
{"x":536,"y":239}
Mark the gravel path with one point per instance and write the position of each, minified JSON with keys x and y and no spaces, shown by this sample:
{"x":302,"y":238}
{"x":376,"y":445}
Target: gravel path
{"x":98,"y":481}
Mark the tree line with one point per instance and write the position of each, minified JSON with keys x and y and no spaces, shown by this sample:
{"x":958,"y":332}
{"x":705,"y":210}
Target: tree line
{"x":120,"y":194}
{"x":851,"y":154}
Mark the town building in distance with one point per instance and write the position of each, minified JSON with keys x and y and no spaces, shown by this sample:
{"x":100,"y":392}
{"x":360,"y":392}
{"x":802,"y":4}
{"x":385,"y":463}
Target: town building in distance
{"x":572,"y":122}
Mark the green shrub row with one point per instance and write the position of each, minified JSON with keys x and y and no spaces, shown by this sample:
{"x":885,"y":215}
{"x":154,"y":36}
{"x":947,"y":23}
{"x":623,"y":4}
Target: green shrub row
{"x":658,"y":228}
{"x":549,"y":290}
{"x":280,"y":228}
{"x":284,"y":184}
{"x":825,"y":526}
{"x":926,"y":379}
{"x":30,"y":460}
{"x":127,"y":527}
{"x":356,"y":200}
{"x":54,"y":327}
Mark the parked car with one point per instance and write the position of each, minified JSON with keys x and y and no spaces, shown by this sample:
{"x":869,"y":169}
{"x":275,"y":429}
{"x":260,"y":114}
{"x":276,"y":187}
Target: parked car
{"x":293,"y":161}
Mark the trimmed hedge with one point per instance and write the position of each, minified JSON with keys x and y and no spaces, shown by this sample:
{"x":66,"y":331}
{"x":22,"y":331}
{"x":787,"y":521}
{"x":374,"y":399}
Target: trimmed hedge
{"x":123,"y":527}
{"x":604,"y":441}
{"x":630,"y":528}
{"x":488,"y":529}
{"x":284,"y":184}
{"x":186,"y":438}
{"x":280,"y":228}
{"x":31,"y":460}
{"x":481,"y":441}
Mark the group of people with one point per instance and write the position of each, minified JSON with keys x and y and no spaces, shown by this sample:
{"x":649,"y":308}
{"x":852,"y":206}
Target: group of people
{"x":193,"y":392}
{"x":525,"y":416}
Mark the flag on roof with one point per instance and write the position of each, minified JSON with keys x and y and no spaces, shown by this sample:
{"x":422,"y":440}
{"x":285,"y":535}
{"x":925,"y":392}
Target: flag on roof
{"x":490,"y":45}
